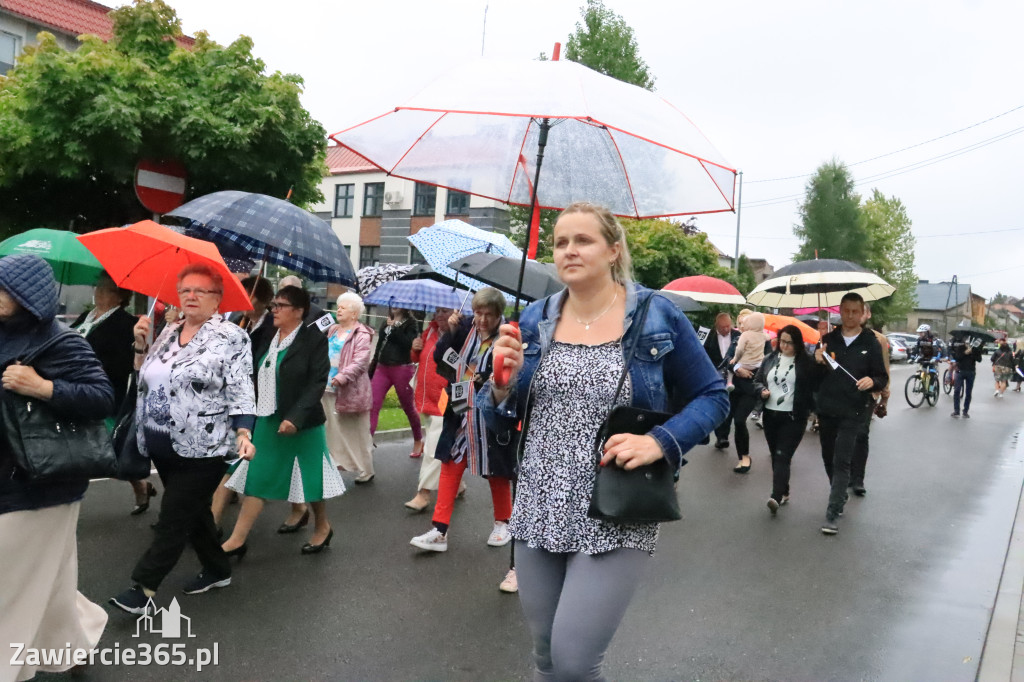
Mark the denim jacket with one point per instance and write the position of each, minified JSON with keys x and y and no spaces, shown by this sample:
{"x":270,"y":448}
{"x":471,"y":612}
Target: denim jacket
{"x":671,"y":373}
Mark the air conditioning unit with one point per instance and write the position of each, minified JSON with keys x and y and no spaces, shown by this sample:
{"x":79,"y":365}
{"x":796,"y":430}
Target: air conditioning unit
{"x":392,"y":198}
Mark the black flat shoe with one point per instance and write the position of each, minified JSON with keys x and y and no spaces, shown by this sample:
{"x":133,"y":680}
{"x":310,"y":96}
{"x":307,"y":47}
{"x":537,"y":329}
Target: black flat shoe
{"x":316,"y":549}
{"x":237,"y":551}
{"x":741,"y":469}
{"x":144,"y":506}
{"x":291,"y":528}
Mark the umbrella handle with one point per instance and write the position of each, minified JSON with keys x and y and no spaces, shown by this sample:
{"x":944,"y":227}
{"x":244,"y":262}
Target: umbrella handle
{"x":499,"y":372}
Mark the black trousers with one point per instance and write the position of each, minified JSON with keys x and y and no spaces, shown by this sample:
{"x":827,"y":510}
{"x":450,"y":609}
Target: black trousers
{"x":185,"y":518}
{"x":859,"y":463}
{"x":783,"y":434}
{"x":838,"y":437}
{"x":741,"y":403}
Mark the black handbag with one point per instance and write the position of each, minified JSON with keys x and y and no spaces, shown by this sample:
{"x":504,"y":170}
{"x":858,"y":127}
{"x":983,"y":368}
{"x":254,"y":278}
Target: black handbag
{"x":646,"y":494}
{"x":51,"y":447}
{"x":132,"y":465}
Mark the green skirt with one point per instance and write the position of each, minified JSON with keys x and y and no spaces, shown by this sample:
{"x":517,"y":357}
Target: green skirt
{"x":296,"y":468}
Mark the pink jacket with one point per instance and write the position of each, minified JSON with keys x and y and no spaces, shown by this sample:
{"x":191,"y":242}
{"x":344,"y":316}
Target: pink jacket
{"x":352,"y":392}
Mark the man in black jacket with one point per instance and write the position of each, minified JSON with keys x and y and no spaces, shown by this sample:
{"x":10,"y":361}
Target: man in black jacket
{"x":965,"y":352}
{"x":717,"y":346}
{"x":851,"y":367}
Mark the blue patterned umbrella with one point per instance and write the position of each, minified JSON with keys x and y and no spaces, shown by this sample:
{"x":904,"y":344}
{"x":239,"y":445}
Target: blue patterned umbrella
{"x":419,"y":294}
{"x":446,"y":241}
{"x":271,"y":229}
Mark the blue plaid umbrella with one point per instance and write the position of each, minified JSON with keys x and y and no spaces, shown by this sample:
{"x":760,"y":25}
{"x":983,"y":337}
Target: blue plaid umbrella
{"x":271,"y":229}
{"x":419,"y":294}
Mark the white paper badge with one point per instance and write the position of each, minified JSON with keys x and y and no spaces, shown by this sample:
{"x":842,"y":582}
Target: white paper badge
{"x":702,"y":334}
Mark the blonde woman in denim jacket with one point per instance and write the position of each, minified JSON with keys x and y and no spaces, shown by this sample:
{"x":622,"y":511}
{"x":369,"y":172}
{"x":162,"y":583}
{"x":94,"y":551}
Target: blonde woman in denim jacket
{"x":565,"y":370}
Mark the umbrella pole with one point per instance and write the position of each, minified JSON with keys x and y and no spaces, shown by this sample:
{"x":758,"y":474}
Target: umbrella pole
{"x":542,"y":141}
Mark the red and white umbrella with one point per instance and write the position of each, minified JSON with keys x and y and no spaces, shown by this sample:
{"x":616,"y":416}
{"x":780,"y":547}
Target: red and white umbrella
{"x":479,"y":127}
{"x":706,"y":289}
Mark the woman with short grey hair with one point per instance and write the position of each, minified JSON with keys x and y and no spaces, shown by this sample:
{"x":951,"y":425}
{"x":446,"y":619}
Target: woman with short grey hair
{"x":348,"y":396}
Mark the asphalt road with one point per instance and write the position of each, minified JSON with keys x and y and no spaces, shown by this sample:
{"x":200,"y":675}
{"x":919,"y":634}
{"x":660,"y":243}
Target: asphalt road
{"x":904,"y":592}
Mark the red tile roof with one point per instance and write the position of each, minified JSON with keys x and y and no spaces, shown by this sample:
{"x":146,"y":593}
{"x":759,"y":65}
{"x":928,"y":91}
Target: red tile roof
{"x":343,"y":160}
{"x":74,"y":17}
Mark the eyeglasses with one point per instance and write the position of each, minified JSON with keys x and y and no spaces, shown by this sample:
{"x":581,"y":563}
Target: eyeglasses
{"x":198,"y":292}
{"x":274,"y":306}
{"x":785,"y":342}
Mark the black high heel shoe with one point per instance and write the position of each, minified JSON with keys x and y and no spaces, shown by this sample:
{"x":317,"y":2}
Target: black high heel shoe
{"x":237,"y":551}
{"x":140,"y":508}
{"x":316,"y":549}
{"x":291,"y":528}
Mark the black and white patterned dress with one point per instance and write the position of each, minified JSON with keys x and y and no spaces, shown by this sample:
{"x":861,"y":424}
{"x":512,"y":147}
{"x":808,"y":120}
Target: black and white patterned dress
{"x":572,"y":392}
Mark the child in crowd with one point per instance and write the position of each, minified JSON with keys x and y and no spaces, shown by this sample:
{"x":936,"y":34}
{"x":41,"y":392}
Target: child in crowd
{"x":750,"y":346}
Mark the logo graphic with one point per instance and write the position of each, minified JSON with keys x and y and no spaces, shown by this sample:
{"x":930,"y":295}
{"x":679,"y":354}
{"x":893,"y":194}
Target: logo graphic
{"x":164,"y":622}
{"x":37,"y":244}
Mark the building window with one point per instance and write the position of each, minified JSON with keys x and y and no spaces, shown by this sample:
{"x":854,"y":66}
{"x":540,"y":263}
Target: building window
{"x":344,"y":196}
{"x":369,"y":255}
{"x":415,"y":257}
{"x":426,"y":199}
{"x":373,"y":200}
{"x":458,"y":203}
{"x":10,"y":45}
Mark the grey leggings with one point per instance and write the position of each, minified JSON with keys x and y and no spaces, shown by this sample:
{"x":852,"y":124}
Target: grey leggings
{"x":573,"y":604}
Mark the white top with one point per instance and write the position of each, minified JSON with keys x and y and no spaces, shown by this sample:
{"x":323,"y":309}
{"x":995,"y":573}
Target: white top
{"x":266,"y":376}
{"x":91,"y":320}
{"x":156,"y":382}
{"x":724,"y":342}
{"x":850,"y":339}
{"x":781,"y":382}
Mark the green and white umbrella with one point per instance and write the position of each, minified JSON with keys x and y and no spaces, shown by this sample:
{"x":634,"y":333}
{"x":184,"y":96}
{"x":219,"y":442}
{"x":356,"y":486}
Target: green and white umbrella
{"x":72,"y":263}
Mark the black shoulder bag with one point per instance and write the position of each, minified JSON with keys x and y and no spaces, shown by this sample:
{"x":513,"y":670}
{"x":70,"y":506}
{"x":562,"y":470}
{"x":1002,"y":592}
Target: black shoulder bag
{"x":646,"y":494}
{"x":50,"y":447}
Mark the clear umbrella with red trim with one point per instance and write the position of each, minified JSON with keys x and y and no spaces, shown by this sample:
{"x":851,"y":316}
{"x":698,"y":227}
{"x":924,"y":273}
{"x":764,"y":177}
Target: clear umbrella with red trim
{"x":487,"y":127}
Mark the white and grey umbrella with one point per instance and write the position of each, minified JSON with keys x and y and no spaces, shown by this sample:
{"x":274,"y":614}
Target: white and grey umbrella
{"x":818,"y":283}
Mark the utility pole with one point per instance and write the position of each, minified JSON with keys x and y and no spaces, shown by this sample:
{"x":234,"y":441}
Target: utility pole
{"x":483,"y":40}
{"x":739,"y":208}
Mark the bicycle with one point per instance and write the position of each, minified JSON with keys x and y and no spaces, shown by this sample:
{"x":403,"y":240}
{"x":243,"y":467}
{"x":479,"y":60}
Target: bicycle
{"x":948,"y":379}
{"x":922,"y":386}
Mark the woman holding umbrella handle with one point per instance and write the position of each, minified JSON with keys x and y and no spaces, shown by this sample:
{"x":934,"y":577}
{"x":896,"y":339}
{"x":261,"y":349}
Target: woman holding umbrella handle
{"x":196,"y":407}
{"x":564,"y":376}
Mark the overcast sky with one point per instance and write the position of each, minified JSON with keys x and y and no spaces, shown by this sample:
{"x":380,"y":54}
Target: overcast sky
{"x":777,"y":87}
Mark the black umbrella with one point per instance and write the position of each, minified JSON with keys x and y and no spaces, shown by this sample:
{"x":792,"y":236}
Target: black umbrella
{"x":502,"y":272}
{"x":973,"y":332}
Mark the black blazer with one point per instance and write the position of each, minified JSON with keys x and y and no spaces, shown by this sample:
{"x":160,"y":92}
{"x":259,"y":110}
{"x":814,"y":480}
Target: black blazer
{"x":301,"y":378}
{"x":711,"y":346}
{"x":111,"y":341}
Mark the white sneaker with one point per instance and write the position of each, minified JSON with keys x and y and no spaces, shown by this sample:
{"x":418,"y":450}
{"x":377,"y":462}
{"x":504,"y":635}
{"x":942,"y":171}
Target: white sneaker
{"x":510,"y":584}
{"x":500,"y":535}
{"x":995,"y":393}
{"x":432,"y":541}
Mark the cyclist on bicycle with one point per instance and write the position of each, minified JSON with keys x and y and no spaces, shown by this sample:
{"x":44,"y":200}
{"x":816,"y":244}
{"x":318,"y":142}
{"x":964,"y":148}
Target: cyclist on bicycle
{"x":928,"y":350}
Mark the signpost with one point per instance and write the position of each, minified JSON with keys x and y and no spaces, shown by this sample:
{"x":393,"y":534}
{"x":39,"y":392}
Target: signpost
{"x":160,"y":185}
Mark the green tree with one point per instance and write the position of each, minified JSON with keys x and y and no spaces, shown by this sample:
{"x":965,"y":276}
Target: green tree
{"x":892,"y":255}
{"x":519,"y":220}
{"x":604,"y":42}
{"x":662,"y":252}
{"x":745,"y":280}
{"x":74,"y":124}
{"x":830,"y":225}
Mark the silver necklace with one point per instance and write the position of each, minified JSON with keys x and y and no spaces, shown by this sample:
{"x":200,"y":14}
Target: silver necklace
{"x":586,"y":325}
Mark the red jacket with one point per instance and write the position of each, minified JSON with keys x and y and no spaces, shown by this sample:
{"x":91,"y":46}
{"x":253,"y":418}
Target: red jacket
{"x":429,"y":384}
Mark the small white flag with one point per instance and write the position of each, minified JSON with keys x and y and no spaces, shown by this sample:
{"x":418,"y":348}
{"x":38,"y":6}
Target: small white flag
{"x":322,"y":323}
{"x":451,"y":358}
{"x":831,"y":361}
{"x":702,"y":334}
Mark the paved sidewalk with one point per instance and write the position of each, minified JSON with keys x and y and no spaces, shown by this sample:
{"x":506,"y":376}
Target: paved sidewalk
{"x":1003,"y":655}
